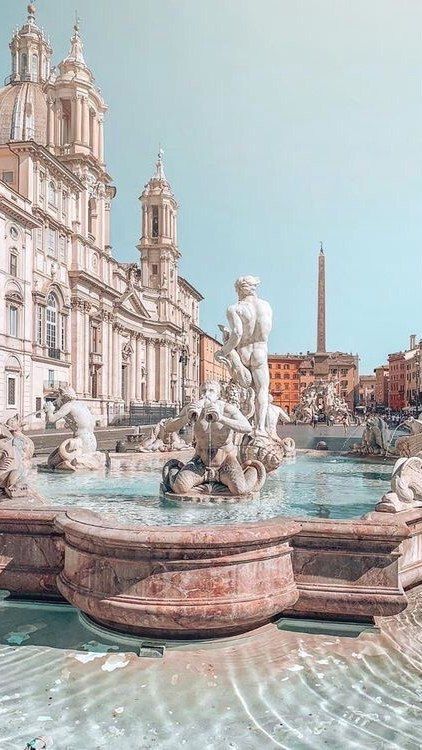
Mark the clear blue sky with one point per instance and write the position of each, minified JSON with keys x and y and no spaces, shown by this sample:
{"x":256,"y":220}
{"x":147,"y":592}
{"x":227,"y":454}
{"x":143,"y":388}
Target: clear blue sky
{"x":283,"y":123}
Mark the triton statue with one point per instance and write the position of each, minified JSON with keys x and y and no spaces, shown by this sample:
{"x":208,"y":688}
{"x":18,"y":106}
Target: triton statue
{"x":80,"y":451}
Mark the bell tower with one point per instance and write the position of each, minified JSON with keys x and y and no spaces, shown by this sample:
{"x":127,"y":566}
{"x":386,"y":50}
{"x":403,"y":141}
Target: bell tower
{"x":31,"y":52}
{"x":158,"y":242}
{"x":76,"y":106}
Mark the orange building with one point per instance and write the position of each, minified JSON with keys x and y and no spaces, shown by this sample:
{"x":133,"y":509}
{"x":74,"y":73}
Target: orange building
{"x":290,"y":374}
{"x":209,"y":369}
{"x":285,"y":379}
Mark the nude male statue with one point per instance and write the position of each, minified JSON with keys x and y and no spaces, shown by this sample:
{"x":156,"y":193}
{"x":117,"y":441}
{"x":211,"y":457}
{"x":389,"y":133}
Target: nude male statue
{"x":215,"y":422}
{"x":245,"y":348}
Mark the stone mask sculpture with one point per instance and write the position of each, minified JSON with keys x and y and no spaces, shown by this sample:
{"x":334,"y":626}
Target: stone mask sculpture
{"x":215,"y":468}
{"x":79,"y":452}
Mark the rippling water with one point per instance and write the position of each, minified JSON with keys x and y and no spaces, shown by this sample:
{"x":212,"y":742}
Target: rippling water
{"x":268,"y":689}
{"x":324,"y":486}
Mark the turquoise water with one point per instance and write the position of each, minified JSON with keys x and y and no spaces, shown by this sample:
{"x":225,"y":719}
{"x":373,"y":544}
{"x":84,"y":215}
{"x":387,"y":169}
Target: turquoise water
{"x":271,"y":688}
{"x":309,"y":485}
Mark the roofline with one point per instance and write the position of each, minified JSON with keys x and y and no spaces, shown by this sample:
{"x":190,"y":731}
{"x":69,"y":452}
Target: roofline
{"x":191,"y":288}
{"x":38,"y":147}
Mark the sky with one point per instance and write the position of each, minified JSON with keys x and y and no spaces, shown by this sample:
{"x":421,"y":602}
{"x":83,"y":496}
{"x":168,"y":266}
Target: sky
{"x":283,"y":124}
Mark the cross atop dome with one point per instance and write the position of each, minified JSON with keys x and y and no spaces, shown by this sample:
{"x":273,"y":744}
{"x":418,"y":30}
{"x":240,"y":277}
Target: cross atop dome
{"x":76,"y":52}
{"x":159,"y":167}
{"x":31,"y":12}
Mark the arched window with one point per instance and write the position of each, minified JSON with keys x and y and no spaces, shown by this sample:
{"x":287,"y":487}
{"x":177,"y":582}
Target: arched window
{"x":52,"y":193}
{"x":34,"y":67}
{"x":24,"y":64}
{"x":51,"y":321}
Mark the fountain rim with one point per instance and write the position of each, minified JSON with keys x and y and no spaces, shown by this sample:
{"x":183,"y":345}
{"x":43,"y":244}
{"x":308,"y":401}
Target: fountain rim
{"x":277,"y":529}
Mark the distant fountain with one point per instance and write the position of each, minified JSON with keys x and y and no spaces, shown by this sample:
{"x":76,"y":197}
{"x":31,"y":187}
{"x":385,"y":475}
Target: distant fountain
{"x":319,"y":401}
{"x":80,"y":451}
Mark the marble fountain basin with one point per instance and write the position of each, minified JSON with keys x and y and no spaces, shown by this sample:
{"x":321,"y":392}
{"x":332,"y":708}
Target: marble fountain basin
{"x":221,"y":576}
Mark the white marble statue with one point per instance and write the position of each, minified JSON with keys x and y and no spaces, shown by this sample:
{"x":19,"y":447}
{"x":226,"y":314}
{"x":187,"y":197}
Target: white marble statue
{"x":23,"y":443}
{"x":245,"y":353}
{"x":80,"y":451}
{"x":406,"y":486}
{"x":245,"y":348}
{"x":12,"y":470}
{"x":215,"y":468}
{"x":410,"y":445}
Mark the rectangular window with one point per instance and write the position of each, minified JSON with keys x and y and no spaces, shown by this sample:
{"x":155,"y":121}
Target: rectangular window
{"x":52,"y":248}
{"x":13,"y":321}
{"x":95,"y":339}
{"x":7,"y":177}
{"x":154,"y":269}
{"x":13,"y":264}
{"x":51,"y":377}
{"x":62,"y":246}
{"x":11,"y":390}
{"x":38,"y":403}
{"x":39,"y":331}
{"x":63,"y":333}
{"x":42,"y":184}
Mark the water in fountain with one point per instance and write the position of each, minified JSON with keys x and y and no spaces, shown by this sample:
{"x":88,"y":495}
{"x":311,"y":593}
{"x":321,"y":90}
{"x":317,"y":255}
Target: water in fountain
{"x":340,"y":486}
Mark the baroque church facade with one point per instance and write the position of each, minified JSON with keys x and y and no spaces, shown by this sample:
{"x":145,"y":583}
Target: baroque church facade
{"x":121,"y":334}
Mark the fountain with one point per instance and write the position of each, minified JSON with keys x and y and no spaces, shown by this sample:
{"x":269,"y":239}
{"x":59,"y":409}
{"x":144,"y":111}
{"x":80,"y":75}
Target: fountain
{"x":319,"y":401}
{"x":136,"y":562}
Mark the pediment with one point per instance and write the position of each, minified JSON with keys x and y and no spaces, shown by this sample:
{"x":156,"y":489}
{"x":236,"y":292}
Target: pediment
{"x":132,"y":301}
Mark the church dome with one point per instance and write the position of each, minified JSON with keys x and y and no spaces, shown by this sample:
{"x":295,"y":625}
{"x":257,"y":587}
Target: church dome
{"x":23,"y":113}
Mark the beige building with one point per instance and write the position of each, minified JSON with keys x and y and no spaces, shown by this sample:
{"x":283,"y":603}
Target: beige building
{"x":367,"y":385}
{"x":210,"y":369}
{"x":381,"y":385}
{"x":121,"y":334}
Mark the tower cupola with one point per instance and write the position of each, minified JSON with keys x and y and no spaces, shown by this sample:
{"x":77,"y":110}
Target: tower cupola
{"x":31,"y":52}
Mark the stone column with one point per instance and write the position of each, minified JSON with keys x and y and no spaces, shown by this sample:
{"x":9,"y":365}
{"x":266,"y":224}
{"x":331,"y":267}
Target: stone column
{"x":100,"y":139}
{"x":150,"y":371}
{"x":164,"y":372}
{"x":110,"y":356}
{"x":78,"y":120}
{"x":87,"y":342}
{"x":50,"y":122}
{"x":77,"y":345}
{"x":85,"y":122}
{"x":95,"y":137}
{"x":138,"y":359}
{"x":133,"y":373}
{"x":57,"y":124}
{"x":116,"y":363}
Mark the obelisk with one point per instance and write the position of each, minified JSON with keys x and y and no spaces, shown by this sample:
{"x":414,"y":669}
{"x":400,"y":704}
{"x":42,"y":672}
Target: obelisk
{"x":321,"y":344}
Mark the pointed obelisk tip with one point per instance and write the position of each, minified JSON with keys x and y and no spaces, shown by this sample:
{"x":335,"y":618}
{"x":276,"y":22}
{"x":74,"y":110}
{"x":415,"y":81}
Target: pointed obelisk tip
{"x":321,"y":248}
